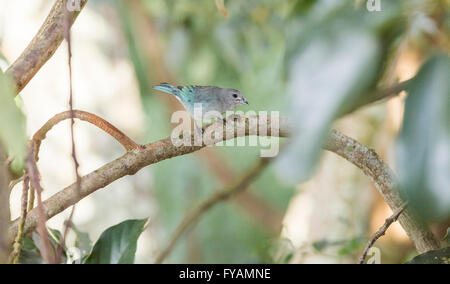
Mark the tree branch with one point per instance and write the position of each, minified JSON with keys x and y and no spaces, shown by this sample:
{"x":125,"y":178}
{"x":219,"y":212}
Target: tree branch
{"x":76,"y":164}
{"x":17,"y":246}
{"x":104,"y":125}
{"x":368,"y":161}
{"x":41,"y":216}
{"x":43,"y":45}
{"x":381,"y":232}
{"x":147,"y":36}
{"x":134,"y":160}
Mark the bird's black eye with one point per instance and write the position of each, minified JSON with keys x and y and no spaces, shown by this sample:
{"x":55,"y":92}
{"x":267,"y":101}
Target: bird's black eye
{"x":235,"y":96}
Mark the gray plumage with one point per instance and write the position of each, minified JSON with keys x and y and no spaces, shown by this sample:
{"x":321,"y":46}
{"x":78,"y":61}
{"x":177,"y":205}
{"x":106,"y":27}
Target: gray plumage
{"x":210,"y":97}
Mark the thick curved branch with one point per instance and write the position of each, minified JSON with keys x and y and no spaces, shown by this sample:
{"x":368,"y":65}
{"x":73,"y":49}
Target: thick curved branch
{"x":368,"y":161}
{"x":152,"y":153}
{"x":104,"y":125}
{"x":43,"y":45}
{"x":133,"y":161}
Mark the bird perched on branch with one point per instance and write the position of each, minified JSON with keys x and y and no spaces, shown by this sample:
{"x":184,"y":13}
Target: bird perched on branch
{"x":210,"y":98}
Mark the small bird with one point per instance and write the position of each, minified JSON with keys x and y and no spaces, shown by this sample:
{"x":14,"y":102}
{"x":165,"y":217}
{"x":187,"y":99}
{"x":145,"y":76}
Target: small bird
{"x":211,"y":98}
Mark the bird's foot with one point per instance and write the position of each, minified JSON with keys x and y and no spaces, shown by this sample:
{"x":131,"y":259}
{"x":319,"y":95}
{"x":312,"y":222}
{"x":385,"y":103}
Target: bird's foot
{"x":232,"y":117}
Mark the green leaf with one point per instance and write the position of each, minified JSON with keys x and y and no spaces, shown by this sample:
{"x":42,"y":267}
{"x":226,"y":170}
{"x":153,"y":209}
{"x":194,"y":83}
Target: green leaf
{"x":320,"y":245}
{"x":55,"y":236}
{"x":83,"y":241}
{"x":332,"y":70}
{"x":424,"y":144}
{"x":117,"y":245}
{"x":12,"y":125}
{"x":440,"y":256}
{"x":351,"y":246}
{"x":28,"y":244}
{"x":29,"y":252}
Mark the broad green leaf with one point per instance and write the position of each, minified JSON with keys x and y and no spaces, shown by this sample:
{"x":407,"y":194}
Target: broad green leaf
{"x":117,"y":245}
{"x":440,"y":256}
{"x":332,"y":70}
{"x":423,"y":149}
{"x":12,"y":125}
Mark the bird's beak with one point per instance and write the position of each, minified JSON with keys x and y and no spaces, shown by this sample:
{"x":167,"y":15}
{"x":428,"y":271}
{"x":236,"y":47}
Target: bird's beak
{"x":244,"y":101}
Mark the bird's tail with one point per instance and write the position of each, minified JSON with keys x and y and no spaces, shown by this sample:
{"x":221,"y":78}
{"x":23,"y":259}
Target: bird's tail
{"x":167,"y":88}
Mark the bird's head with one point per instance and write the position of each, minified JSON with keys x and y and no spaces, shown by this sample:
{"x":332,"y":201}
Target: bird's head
{"x":235,"y":98}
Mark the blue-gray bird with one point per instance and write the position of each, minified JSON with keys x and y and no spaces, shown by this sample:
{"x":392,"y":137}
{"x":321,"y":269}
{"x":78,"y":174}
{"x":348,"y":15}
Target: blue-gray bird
{"x":211,"y":98}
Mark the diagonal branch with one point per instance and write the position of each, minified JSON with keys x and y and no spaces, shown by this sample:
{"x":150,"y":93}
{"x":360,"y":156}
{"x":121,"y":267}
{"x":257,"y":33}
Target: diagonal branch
{"x":131,"y":162}
{"x":381,"y":231}
{"x":43,"y":45}
{"x":368,"y":161}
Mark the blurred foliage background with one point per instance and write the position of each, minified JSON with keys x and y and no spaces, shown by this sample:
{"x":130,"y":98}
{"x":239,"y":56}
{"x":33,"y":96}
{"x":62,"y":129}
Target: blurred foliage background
{"x":310,"y":60}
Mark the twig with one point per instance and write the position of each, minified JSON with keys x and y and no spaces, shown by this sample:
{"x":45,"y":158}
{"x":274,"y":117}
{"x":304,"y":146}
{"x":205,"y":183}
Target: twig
{"x":381,"y":231}
{"x":132,"y":161}
{"x":17,"y":246}
{"x":41,"y":216}
{"x":43,"y":45}
{"x":72,"y":123}
{"x":192,"y":217}
{"x":31,"y":200}
{"x":5,"y":215}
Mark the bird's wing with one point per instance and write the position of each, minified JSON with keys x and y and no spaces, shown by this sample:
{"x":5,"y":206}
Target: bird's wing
{"x":189,"y":94}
